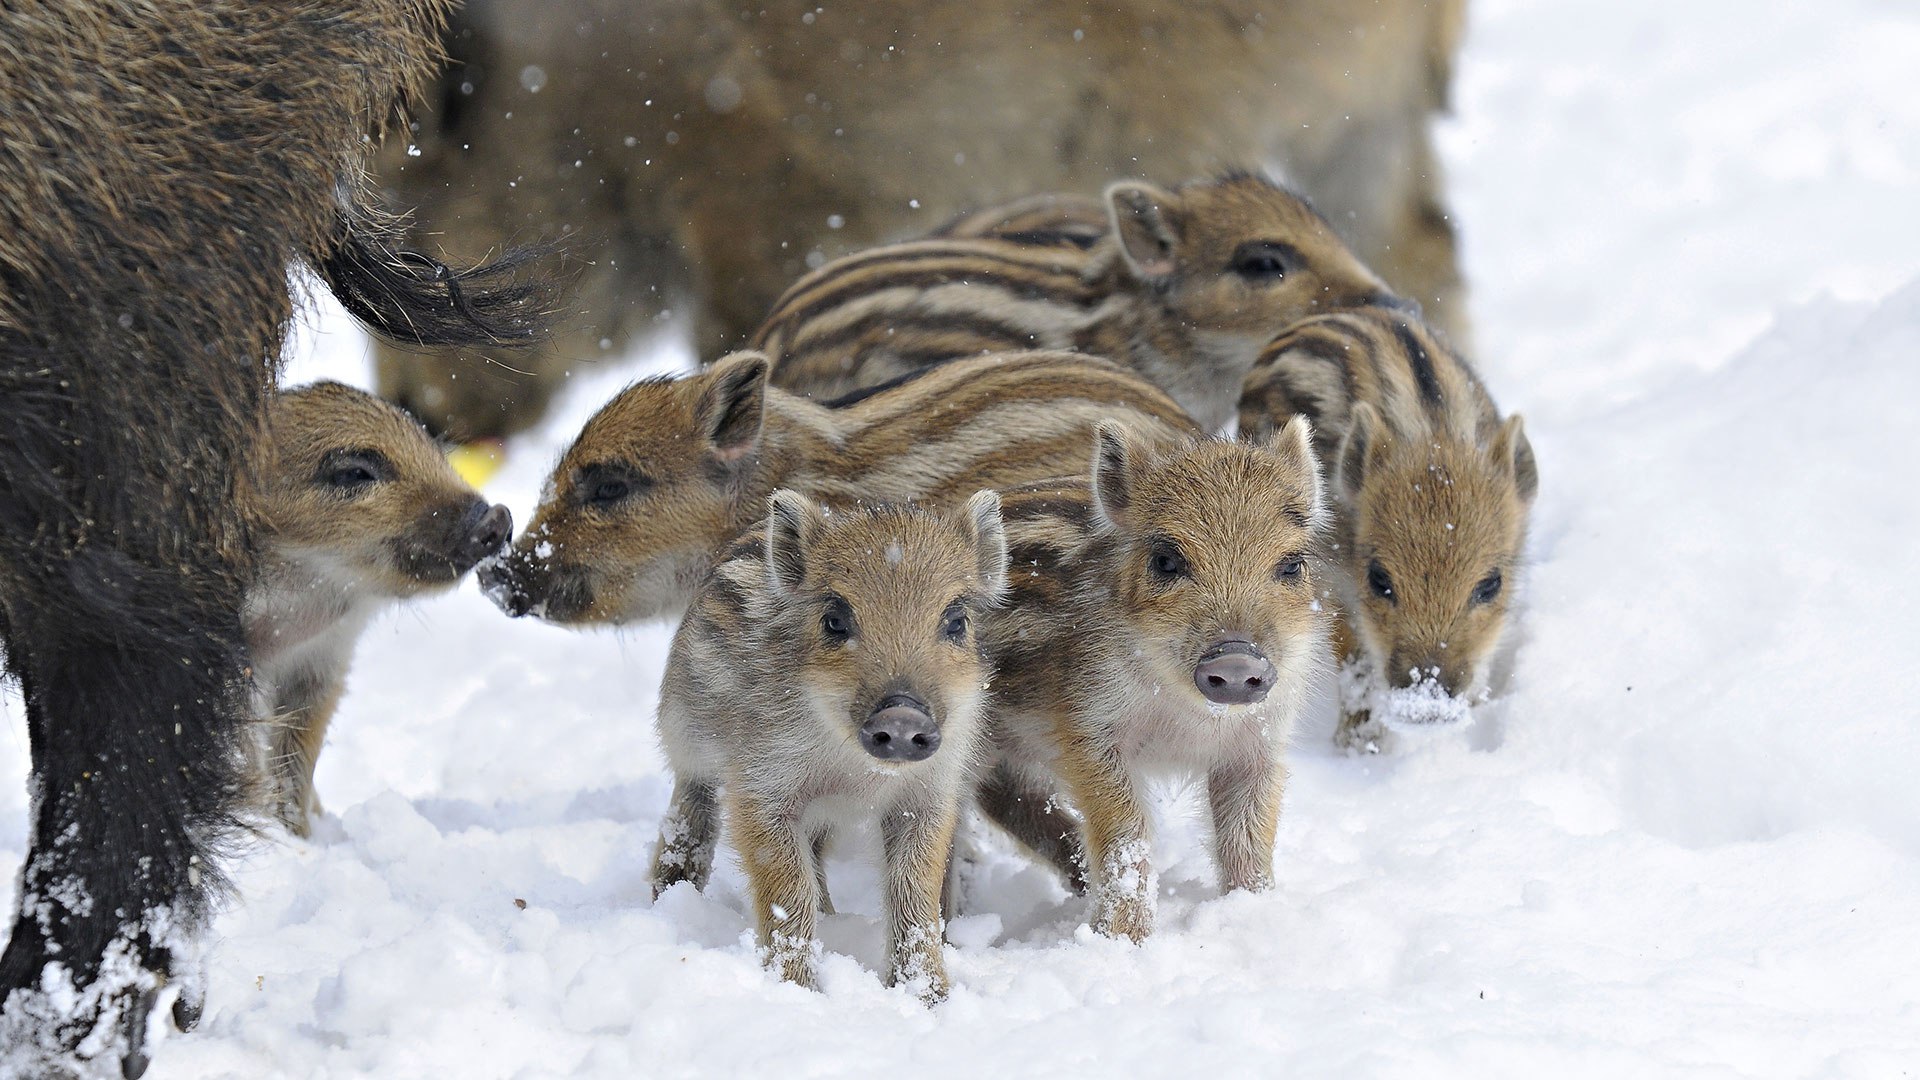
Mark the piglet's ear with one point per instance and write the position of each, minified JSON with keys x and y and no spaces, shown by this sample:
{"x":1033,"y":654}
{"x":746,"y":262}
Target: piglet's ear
{"x":732,"y":404}
{"x":791,"y":520}
{"x":990,"y":540}
{"x":1294,"y":442}
{"x":1146,"y":221}
{"x":1363,"y":430}
{"x":1114,"y":458}
{"x":1512,"y":448}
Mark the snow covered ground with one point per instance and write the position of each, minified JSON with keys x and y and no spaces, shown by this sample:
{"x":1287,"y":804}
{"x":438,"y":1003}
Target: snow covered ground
{"x":1686,"y":841}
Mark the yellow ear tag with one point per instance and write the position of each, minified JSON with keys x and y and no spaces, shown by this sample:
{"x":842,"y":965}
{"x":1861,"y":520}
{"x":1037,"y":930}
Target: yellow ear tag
{"x":476,"y":462}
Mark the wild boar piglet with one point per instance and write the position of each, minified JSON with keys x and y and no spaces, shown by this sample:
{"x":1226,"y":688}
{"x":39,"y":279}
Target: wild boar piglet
{"x":1182,"y":287}
{"x":1161,"y":620}
{"x":830,"y":670}
{"x":1431,"y":494}
{"x":671,"y":471}
{"x":361,"y":511}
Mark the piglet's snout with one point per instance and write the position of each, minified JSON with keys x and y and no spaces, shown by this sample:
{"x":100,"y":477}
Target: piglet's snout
{"x":485,"y":531}
{"x":500,"y":583}
{"x":900,"y":729}
{"x":1234,"y":672}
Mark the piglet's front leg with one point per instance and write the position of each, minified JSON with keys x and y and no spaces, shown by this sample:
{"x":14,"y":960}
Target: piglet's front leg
{"x":1358,"y":731}
{"x":785,"y":904}
{"x":1117,"y":841}
{"x":917,"y":842}
{"x":687,"y":836}
{"x":301,"y":711}
{"x":1245,"y":799}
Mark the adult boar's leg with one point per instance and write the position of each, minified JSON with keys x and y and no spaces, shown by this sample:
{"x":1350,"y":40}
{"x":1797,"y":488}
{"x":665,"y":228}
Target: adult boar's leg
{"x":134,"y":733}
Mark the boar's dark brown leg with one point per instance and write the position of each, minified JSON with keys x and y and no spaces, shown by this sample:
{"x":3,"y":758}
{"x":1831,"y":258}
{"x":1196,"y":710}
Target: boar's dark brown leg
{"x":1032,"y":814}
{"x":133,"y":731}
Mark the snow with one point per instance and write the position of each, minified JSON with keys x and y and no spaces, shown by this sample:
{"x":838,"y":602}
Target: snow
{"x":1422,"y":707}
{"x":1683,"y":840}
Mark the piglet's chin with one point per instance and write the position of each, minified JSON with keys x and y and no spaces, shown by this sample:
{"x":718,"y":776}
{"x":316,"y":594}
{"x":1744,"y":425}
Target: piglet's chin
{"x":496,"y":584}
{"x":1424,"y":706}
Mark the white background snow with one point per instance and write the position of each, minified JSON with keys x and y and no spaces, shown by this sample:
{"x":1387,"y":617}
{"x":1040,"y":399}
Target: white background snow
{"x":1685,"y":841}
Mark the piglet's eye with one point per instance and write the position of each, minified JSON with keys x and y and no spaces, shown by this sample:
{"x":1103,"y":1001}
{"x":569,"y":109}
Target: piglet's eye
{"x":1290,"y":568}
{"x":953,"y":624}
{"x":1261,"y":261}
{"x":1166,"y":562}
{"x":606,"y":486}
{"x":1488,"y":588}
{"x":1379,"y":582}
{"x":351,"y":471}
{"x":607,"y":492}
{"x":836,"y":620}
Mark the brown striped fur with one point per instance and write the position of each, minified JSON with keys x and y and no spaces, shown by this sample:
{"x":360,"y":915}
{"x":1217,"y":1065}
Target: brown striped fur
{"x":1097,"y":651}
{"x":1432,"y":490}
{"x":1182,"y":286}
{"x":360,"y":510}
{"x":1041,"y":219}
{"x":765,"y":697}
{"x":670,"y":472}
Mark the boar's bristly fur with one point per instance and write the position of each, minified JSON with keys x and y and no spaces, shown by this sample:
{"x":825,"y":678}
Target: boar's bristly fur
{"x":162,"y":165}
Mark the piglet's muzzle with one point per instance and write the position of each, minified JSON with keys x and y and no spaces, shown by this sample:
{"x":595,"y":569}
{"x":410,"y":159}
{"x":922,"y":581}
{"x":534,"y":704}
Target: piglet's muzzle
{"x":900,"y":729}
{"x":1234,"y":672}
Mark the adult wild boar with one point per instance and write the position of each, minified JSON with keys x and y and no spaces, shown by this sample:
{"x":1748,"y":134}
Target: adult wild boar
{"x":162,"y":165}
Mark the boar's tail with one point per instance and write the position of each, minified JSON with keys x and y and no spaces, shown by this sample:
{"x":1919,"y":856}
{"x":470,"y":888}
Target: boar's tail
{"x":415,"y":299}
